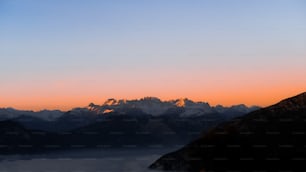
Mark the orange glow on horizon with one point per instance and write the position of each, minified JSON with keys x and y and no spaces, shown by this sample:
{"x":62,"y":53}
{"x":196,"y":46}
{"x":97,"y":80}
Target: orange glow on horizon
{"x":261,"y":98}
{"x":252,"y":88}
{"x":58,"y":55}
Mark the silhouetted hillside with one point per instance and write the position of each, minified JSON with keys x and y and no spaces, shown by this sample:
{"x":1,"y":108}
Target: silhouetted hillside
{"x":269,"y":139}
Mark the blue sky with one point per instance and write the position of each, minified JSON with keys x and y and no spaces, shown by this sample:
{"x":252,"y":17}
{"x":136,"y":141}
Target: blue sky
{"x":201,"y":42}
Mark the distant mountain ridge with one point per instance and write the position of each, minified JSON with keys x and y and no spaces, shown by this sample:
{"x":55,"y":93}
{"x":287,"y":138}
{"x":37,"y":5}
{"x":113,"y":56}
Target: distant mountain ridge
{"x":48,"y":115}
{"x":268,"y":139}
{"x":116,"y":123}
{"x":149,"y":105}
{"x":154,"y":106}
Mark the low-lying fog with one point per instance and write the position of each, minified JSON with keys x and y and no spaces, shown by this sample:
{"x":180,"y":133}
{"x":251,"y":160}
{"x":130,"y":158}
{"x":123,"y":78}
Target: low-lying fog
{"x":92,"y":160}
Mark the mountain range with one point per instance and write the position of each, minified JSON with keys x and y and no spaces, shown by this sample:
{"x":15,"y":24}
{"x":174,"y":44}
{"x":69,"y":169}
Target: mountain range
{"x":268,"y":139}
{"x":115,"y":123}
{"x":149,"y":106}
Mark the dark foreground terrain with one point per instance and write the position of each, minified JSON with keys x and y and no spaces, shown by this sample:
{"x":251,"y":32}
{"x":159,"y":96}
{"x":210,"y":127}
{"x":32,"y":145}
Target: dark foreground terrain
{"x":269,"y":139}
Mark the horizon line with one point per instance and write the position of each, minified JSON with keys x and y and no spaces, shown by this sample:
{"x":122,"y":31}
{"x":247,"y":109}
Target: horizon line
{"x":132,"y":99}
{"x":66,"y":105}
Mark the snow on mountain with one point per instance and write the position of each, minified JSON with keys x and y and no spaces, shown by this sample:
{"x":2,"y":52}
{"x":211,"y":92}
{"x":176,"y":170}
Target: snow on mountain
{"x":149,"y":105}
{"x":180,"y":102}
{"x":154,"y":106}
{"x":196,"y":108}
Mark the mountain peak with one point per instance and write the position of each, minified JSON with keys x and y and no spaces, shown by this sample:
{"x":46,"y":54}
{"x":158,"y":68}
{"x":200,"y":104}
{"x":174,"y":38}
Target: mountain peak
{"x":155,"y":106}
{"x":110,"y":102}
{"x":180,"y":102}
{"x":151,"y":99}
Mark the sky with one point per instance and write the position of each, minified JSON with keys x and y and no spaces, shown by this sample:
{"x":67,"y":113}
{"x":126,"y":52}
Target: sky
{"x":60,"y":54}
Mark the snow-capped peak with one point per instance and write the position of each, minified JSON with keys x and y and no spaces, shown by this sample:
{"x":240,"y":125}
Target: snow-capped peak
{"x":153,"y":106}
{"x":149,"y":105}
{"x":180,"y":102}
{"x":108,"y":111}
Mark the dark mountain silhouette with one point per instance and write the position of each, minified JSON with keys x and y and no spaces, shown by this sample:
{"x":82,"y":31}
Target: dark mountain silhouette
{"x":14,"y":138}
{"x":136,"y":123}
{"x":144,"y":130}
{"x":269,"y":139}
{"x":58,"y":121}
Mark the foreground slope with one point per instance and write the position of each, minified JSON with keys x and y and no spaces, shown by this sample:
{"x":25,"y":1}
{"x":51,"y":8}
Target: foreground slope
{"x":269,"y":139}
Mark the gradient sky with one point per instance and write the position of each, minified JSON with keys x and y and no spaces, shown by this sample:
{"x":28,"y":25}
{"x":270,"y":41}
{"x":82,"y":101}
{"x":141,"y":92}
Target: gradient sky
{"x":59,"y":54}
